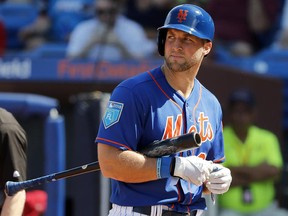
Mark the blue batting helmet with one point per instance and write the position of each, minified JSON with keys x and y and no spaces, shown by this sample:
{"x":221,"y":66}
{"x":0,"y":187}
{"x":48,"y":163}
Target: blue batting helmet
{"x":189,"y":18}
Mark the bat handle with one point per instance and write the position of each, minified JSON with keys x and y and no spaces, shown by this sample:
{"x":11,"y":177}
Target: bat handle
{"x":212,"y":194}
{"x":11,"y":188}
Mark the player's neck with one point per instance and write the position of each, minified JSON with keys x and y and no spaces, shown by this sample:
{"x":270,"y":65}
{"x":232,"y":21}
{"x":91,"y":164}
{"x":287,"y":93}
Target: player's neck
{"x":182,"y":82}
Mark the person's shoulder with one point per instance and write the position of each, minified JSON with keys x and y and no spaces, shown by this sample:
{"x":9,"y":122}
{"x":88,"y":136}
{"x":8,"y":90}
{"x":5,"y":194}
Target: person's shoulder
{"x":266,"y":135}
{"x":8,"y":121}
{"x":262,"y":131}
{"x":86,"y":23}
{"x":6,"y":116}
{"x":9,"y":126}
{"x":129,"y":22}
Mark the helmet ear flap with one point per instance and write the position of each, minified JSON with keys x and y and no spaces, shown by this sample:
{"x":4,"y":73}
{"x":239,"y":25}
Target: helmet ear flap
{"x":161,"y":41}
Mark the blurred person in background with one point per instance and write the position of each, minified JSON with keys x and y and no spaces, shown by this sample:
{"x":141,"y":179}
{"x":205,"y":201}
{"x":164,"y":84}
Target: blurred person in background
{"x":254,"y":157}
{"x":149,"y":13}
{"x":17,"y":1}
{"x":244,"y":27}
{"x":3,"y":36}
{"x":281,"y":41}
{"x":109,"y":36}
{"x":36,"y":33}
{"x":13,"y":163}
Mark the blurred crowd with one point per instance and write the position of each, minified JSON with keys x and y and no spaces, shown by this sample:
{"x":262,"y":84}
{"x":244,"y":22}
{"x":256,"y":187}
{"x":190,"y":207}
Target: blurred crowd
{"x":245,"y":27}
{"x":94,"y":29}
{"x":126,"y":29}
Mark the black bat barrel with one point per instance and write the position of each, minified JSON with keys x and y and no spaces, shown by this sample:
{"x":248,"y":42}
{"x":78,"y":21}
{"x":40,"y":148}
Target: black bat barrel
{"x":173,"y":145}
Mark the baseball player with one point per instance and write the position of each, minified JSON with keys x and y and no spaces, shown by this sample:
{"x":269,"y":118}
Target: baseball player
{"x":161,"y":103}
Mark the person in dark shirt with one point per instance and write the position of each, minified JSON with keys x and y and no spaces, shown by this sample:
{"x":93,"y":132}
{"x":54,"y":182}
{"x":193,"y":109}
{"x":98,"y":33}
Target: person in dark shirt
{"x":13,"y":162}
{"x":150,"y":14}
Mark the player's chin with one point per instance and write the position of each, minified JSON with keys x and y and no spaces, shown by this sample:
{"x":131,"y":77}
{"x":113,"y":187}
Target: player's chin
{"x":176,"y":66}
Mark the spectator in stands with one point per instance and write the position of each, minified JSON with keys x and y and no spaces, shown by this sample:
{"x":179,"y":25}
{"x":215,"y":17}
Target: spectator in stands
{"x":149,"y":13}
{"x":281,"y":41}
{"x":244,"y":27}
{"x":109,"y":36}
{"x":2,"y":38}
{"x":17,"y":1}
{"x":253,"y":155}
{"x":36,"y":33}
{"x":13,"y":163}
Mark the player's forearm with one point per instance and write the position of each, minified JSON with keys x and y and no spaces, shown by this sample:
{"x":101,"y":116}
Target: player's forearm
{"x":126,"y":166}
{"x":13,"y":206}
{"x":263,"y":172}
{"x":239,"y":180}
{"x":246,"y":175}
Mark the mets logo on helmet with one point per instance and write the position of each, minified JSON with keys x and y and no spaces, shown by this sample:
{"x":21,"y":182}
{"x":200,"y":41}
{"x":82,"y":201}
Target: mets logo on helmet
{"x":182,"y":15}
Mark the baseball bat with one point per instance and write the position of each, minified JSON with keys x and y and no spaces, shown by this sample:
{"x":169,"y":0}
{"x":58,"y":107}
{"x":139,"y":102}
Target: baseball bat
{"x":158,"y":148}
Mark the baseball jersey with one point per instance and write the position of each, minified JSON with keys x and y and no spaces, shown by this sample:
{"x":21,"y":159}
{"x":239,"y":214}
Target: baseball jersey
{"x":260,"y":145}
{"x":145,"y":108}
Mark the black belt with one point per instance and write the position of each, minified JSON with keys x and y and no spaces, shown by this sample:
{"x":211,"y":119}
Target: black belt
{"x":147,"y":211}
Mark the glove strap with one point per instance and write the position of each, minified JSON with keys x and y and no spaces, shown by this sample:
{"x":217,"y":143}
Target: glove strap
{"x":163,"y":167}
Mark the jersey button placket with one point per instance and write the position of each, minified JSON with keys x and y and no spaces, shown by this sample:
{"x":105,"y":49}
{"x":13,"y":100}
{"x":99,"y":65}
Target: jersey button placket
{"x":190,"y":116}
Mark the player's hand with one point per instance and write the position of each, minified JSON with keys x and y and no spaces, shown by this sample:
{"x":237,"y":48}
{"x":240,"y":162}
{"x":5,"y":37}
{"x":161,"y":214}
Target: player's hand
{"x":219,"y":179}
{"x":193,"y":169}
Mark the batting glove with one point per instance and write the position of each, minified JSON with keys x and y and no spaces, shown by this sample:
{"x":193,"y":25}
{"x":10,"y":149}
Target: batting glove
{"x":192,"y":169}
{"x":219,"y":179}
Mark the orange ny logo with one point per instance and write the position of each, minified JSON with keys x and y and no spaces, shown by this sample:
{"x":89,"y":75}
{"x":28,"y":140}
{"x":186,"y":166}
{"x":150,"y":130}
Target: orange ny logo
{"x":182,"y":15}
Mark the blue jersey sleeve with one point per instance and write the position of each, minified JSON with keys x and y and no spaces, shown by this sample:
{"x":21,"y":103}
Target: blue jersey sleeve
{"x":120,"y":126}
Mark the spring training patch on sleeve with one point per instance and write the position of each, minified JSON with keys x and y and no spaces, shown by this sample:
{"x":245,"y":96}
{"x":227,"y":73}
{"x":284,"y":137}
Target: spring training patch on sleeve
{"x":112,"y":114}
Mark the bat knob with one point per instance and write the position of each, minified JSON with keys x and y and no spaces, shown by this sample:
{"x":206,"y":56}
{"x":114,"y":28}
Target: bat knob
{"x":9,"y":191}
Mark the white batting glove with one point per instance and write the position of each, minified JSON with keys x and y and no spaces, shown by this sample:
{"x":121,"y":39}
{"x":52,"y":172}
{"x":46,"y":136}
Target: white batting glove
{"x":192,"y":169}
{"x":219,"y":179}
